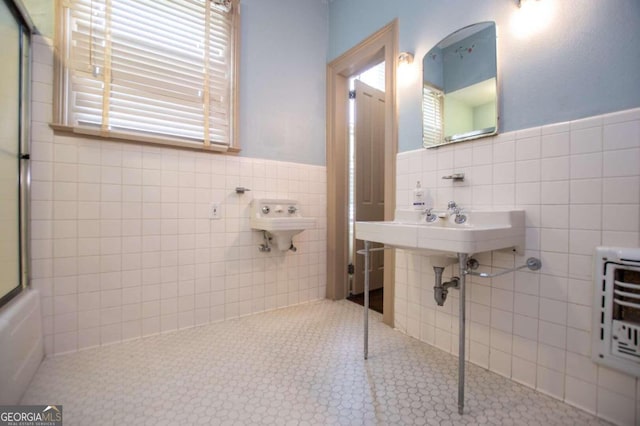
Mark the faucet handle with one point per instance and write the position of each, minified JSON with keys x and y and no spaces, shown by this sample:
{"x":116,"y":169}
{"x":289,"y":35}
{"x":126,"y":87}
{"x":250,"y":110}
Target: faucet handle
{"x":460,"y":217}
{"x":430,"y":217}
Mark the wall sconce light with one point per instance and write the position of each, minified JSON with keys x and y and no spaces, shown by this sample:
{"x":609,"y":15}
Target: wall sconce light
{"x":407,"y":73}
{"x":532,"y":17}
{"x":405,"y":58}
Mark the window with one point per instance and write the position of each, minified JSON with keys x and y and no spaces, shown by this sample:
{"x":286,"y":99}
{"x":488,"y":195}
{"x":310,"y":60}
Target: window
{"x":432,"y":110}
{"x":162,"y":71}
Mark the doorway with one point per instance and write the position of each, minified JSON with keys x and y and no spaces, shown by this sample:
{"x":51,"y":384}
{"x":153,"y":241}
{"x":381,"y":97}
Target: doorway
{"x":379,"y":47}
{"x":366,"y":179}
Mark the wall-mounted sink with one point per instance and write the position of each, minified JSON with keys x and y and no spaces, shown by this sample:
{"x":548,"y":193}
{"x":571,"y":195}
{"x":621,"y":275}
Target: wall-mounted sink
{"x":481,"y":231}
{"x":281,"y":219}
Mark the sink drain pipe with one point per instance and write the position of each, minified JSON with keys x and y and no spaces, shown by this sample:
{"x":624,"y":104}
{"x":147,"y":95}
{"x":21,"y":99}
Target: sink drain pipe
{"x":440,"y":289}
{"x":265,"y":247}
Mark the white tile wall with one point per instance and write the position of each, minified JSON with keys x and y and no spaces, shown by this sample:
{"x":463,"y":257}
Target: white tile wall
{"x":122,"y":246}
{"x":579,"y":184}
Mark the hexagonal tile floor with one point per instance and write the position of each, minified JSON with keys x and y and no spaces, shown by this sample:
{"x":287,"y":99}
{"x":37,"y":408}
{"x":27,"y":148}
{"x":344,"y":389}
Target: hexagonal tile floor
{"x":300,"y":365}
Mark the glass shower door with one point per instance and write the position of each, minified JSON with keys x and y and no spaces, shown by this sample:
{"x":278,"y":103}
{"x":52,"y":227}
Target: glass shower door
{"x":11,"y":78}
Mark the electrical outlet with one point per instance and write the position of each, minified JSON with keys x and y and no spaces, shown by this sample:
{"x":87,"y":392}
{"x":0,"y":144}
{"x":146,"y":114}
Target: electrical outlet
{"x":214,"y":211}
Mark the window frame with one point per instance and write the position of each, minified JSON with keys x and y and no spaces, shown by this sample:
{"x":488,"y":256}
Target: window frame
{"x":61,"y":115}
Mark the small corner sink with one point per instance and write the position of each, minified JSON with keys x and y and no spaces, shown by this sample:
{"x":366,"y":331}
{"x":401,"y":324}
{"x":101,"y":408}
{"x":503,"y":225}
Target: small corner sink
{"x":484,"y":230}
{"x":280,"y":218}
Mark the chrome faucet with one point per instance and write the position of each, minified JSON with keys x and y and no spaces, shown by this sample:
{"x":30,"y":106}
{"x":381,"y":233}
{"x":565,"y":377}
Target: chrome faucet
{"x":430,"y":217}
{"x":454,"y":210}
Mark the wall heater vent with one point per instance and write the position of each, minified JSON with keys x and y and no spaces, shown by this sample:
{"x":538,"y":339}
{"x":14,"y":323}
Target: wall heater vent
{"x":616,"y":309}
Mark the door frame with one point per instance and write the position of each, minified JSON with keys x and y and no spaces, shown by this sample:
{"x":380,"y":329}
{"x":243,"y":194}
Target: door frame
{"x":380,"y":46}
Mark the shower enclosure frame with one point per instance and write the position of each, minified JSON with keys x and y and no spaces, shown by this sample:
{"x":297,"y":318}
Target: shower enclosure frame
{"x":26,"y":31}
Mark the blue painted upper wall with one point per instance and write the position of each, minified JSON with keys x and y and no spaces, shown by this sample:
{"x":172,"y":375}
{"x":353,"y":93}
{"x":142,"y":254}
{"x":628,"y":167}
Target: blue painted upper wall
{"x":283,"y":61}
{"x":585,"y":62}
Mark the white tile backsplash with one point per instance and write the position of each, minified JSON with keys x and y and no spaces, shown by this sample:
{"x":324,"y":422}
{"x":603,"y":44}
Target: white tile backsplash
{"x":554,"y":192}
{"x":584,"y":166}
{"x":586,"y":191}
{"x":579,"y":184}
{"x":623,"y":162}
{"x":622,"y":135}
{"x":616,"y":408}
{"x":580,"y":394}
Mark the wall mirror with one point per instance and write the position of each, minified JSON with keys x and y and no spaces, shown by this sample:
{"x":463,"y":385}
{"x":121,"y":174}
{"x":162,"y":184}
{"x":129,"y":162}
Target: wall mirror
{"x":459,"y":87}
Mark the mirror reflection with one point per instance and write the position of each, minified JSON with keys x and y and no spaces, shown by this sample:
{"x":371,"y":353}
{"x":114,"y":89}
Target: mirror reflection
{"x":459,"y":95}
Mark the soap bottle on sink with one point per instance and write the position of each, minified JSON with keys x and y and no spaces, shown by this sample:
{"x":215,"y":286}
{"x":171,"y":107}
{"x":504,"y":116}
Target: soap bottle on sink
{"x":418,"y":197}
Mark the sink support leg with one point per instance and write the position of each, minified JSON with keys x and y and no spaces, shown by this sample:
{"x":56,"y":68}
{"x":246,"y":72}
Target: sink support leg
{"x":462,"y":263}
{"x":366,"y":299}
